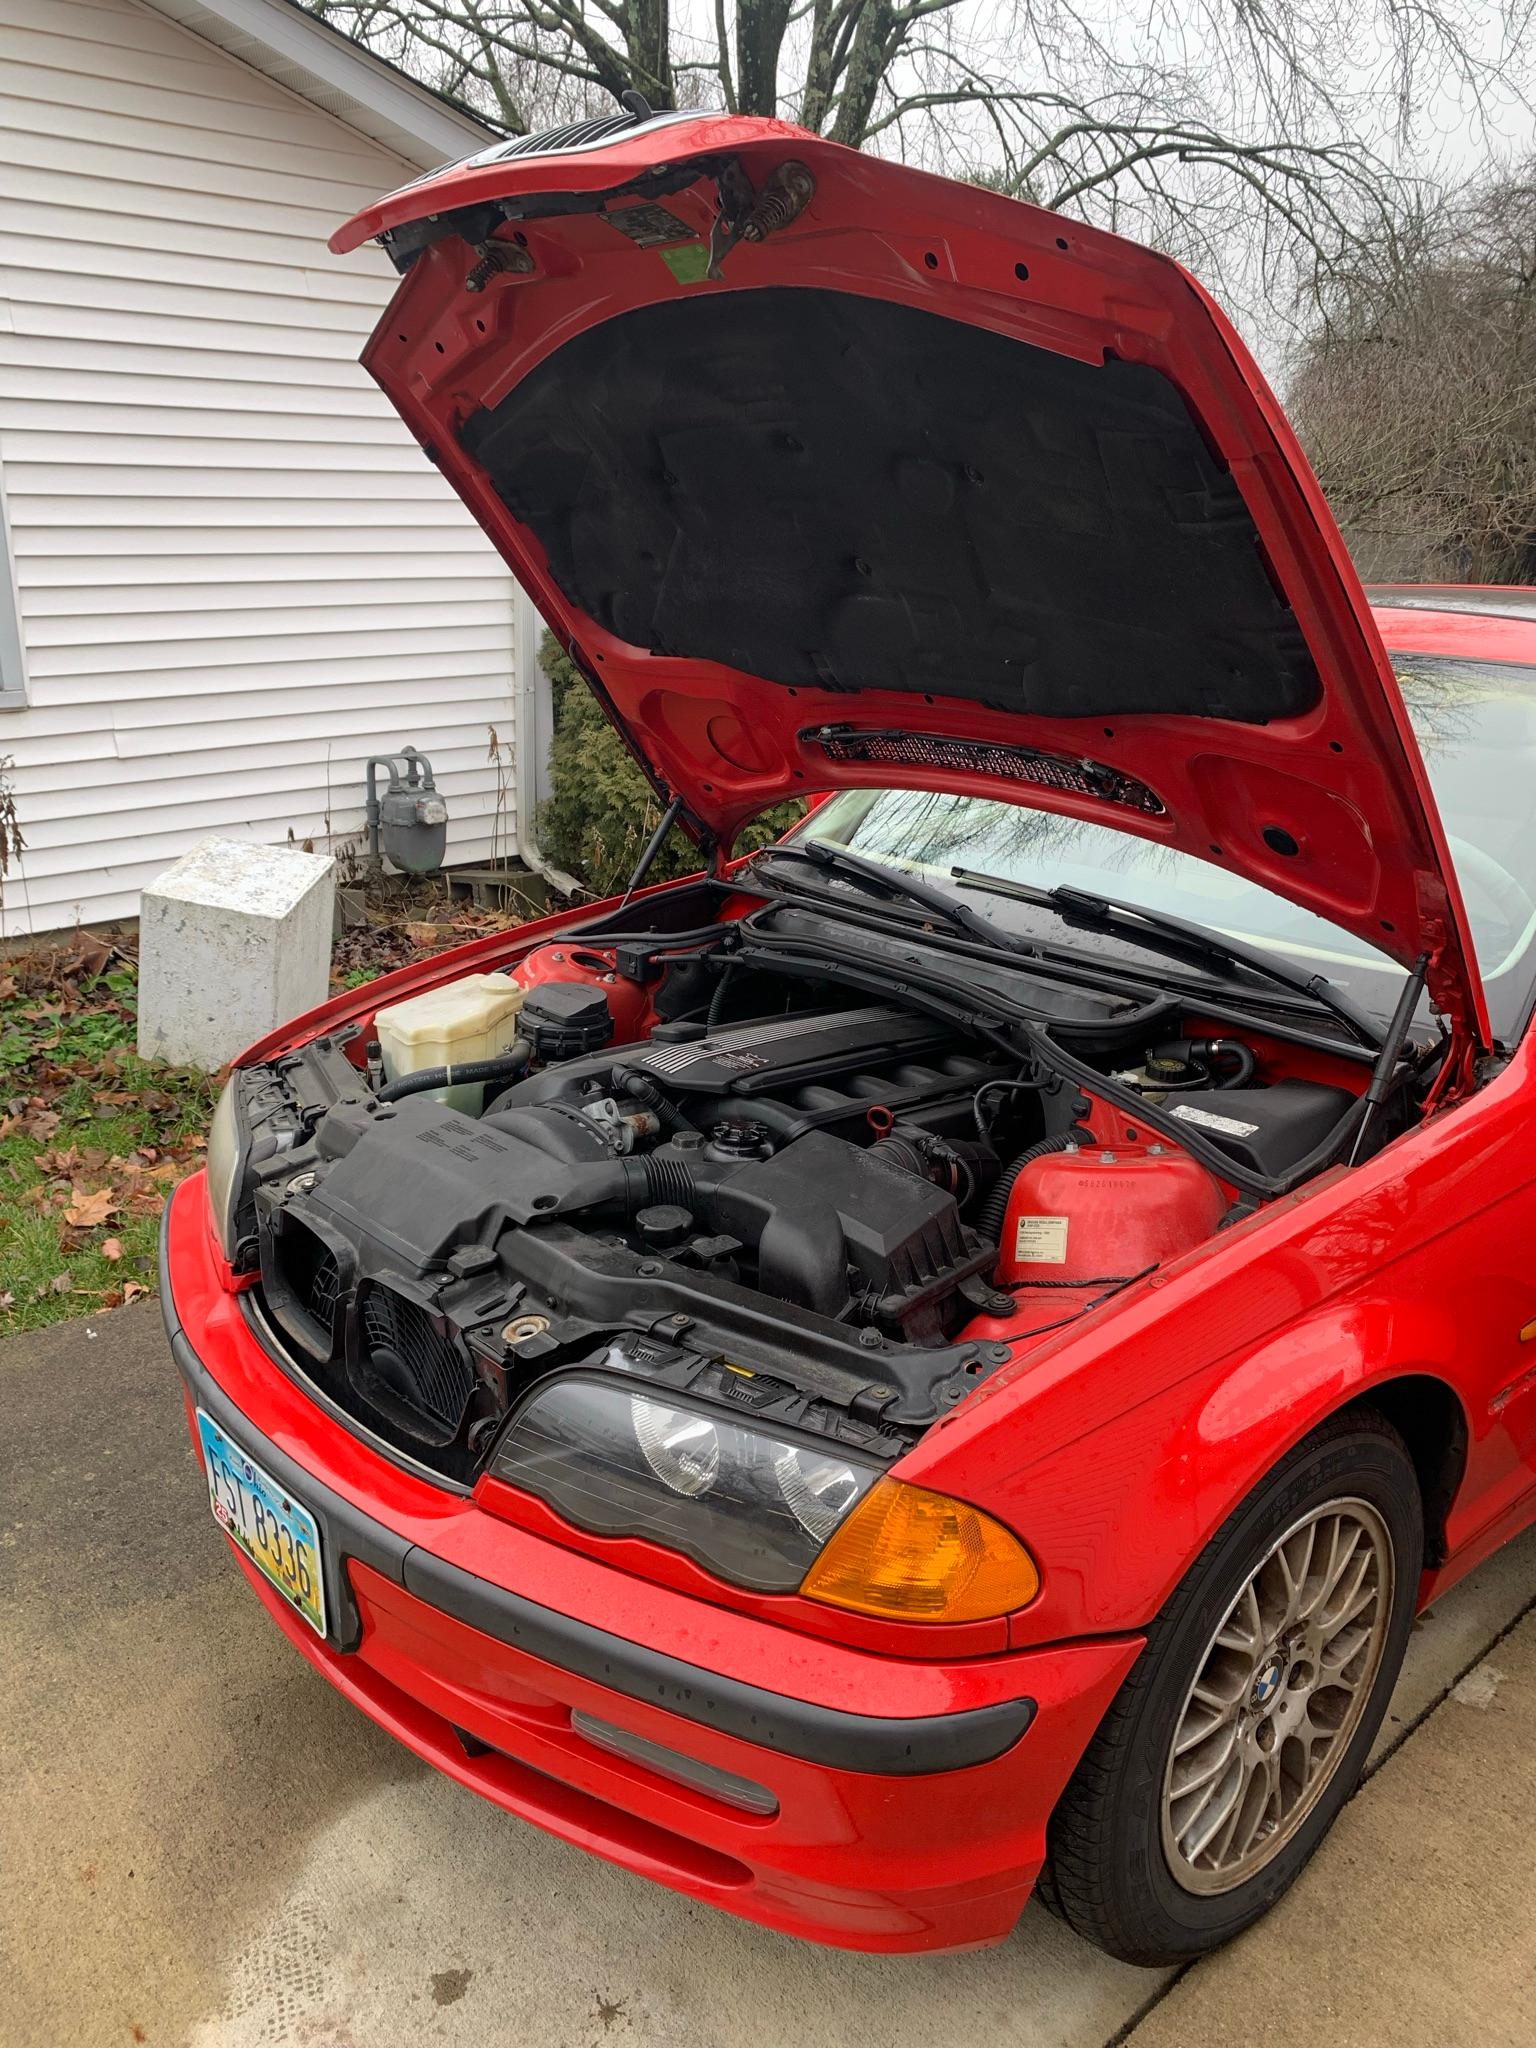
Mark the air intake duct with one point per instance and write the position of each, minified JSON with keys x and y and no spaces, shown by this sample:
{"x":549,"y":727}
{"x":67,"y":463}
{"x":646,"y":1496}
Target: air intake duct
{"x":829,"y":1224}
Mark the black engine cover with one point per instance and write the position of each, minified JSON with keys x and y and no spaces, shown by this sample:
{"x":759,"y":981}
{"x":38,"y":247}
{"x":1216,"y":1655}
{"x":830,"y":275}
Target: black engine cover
{"x":775,"y":1052}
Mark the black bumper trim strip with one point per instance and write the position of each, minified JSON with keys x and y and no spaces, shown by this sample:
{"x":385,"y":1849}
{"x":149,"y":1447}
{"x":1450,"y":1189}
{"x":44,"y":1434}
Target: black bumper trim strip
{"x":799,"y":1728}
{"x":815,"y":1734}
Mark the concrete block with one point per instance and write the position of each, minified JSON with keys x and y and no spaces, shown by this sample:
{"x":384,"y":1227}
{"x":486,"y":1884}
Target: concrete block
{"x":233,"y":940}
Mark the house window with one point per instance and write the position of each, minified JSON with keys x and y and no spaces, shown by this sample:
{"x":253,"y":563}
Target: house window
{"x":13,"y":679}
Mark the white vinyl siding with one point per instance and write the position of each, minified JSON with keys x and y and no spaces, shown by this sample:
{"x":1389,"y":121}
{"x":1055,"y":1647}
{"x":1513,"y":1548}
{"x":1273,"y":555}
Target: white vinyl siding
{"x":13,"y":667}
{"x":237,"y":574}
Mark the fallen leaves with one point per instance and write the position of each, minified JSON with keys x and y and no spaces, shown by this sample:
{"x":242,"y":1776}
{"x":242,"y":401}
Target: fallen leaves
{"x":90,"y":1208}
{"x":128,"y":1185}
{"x":120,"y":1297}
{"x":93,"y":1138}
{"x":406,"y":921}
{"x":89,"y":956}
{"x":28,"y":1118}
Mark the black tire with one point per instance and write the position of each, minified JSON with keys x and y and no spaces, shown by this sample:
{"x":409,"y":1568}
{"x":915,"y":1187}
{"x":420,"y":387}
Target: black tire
{"x":1109,"y":1875}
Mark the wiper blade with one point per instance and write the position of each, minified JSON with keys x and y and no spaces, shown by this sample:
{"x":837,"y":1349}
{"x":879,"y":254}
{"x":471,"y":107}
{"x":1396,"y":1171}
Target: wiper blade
{"x":1087,"y":909}
{"x":902,"y":888}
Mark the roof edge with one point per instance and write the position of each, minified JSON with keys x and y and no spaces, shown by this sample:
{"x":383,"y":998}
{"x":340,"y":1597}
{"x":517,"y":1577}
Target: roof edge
{"x":307,"y":56}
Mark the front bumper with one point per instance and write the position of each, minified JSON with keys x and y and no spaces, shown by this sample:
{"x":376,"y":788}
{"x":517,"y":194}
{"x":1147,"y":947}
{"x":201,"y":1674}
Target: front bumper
{"x":921,"y":1826}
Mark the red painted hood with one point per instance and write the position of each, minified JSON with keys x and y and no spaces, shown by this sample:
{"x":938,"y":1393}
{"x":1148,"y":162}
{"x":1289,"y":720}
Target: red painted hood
{"x":923,"y":487}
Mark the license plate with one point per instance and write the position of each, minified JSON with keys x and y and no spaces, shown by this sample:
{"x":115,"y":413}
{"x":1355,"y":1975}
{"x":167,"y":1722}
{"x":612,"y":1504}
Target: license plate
{"x":277,"y":1533}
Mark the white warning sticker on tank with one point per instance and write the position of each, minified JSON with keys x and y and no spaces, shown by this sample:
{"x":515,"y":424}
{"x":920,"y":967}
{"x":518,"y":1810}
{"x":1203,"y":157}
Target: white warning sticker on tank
{"x":1040,"y":1241}
{"x":1208,"y":1120}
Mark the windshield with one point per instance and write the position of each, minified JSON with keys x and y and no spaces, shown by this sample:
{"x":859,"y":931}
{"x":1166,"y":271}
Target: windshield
{"x":1476,"y":724}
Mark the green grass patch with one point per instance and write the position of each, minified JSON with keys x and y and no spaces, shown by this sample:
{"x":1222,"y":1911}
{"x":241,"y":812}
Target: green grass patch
{"x":92,"y":1138}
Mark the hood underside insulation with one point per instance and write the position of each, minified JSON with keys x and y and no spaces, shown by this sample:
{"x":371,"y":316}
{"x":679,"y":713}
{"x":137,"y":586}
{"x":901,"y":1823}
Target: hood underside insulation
{"x":824,"y":489}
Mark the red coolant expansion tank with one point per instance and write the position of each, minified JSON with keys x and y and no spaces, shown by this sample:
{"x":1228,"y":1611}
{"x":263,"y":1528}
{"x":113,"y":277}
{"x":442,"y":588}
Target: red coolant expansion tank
{"x":1106,"y":1211}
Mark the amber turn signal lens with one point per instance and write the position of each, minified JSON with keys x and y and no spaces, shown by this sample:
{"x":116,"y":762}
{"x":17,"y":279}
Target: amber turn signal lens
{"x":911,"y":1555}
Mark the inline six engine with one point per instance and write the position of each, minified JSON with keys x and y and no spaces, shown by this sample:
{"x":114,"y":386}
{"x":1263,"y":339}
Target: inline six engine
{"x":827,"y":1212}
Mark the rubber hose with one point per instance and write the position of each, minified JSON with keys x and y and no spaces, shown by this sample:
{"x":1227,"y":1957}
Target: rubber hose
{"x":996,"y":1210}
{"x":669,"y":1180}
{"x":642,"y":1089}
{"x":717,"y":1000}
{"x":505,"y":1067}
{"x":1202,"y":1053}
{"x":1233,"y":1048}
{"x":983,"y":1127}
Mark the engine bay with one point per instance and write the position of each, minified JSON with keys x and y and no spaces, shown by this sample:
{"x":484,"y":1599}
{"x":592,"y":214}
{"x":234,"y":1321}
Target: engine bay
{"x":837,"y":1196}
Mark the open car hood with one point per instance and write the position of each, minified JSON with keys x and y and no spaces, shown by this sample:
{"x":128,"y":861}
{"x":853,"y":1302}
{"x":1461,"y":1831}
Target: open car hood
{"x":829,"y":473}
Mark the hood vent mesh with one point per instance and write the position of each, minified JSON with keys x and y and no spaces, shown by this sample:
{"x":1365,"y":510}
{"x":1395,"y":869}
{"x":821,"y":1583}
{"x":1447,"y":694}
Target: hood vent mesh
{"x":585,"y":135}
{"x":1078,"y":777}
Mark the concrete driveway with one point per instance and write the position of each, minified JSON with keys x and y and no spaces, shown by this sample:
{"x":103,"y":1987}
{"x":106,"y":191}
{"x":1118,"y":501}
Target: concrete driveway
{"x":202,"y":1844}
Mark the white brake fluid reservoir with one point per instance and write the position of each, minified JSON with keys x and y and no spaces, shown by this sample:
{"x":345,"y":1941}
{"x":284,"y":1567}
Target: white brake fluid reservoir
{"x":473,"y":1018}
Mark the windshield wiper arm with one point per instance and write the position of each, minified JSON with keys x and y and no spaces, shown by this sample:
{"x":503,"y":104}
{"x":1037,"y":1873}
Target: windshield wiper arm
{"x":1086,"y":908}
{"x":894,"y":882}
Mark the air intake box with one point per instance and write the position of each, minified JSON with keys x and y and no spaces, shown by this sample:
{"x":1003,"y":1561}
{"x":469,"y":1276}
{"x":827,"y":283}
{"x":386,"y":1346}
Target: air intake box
{"x":837,"y":1229}
{"x":1265,"y":1129}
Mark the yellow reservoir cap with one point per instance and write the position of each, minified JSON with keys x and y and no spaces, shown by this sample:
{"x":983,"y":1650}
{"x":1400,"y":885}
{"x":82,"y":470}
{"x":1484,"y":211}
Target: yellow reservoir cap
{"x":910,"y":1555}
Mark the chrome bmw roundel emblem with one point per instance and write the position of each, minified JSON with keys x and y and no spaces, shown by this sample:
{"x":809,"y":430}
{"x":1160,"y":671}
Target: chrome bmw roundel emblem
{"x":1267,"y":1683}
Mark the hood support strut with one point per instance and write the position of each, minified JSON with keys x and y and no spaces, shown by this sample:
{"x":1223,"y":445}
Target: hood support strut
{"x":658,"y":839}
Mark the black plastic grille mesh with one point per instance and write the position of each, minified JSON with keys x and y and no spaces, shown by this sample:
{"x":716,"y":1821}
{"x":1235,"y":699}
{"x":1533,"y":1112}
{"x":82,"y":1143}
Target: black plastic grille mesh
{"x":583,"y":134}
{"x":1079,"y":777}
{"x":306,"y":1286}
{"x":572,"y":136}
{"x":324,"y":1289}
{"x":425,"y":1369}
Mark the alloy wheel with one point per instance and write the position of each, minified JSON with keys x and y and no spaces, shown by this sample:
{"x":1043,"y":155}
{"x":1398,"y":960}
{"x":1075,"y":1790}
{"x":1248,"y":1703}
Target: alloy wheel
{"x":1277,"y":1696}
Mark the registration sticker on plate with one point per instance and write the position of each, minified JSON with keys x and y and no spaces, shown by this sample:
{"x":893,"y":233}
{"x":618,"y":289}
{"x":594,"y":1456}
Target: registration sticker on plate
{"x":277,"y":1533}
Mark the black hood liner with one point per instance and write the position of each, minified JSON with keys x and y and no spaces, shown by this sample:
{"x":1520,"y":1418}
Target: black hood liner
{"x":822,"y":489}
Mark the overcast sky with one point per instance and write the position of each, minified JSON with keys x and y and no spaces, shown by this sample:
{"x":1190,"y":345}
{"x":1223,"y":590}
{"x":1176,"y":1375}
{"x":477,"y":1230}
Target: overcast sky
{"x":1452,"y":130}
{"x":1210,"y":65}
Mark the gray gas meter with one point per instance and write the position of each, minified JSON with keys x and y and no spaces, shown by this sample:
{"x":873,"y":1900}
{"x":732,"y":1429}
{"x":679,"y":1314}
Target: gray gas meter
{"x":410,"y":821}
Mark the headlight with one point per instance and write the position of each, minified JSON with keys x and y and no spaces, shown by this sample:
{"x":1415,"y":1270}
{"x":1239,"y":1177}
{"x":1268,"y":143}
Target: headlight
{"x":226,"y":1167}
{"x":757,"y":1509}
{"x":750,"y":1506}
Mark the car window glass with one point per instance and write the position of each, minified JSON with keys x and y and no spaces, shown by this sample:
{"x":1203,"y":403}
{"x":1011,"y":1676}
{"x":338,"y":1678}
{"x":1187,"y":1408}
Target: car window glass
{"x":1476,"y":722}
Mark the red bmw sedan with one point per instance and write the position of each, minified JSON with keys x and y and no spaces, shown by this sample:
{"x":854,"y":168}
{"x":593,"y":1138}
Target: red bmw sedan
{"x":944,"y":1356}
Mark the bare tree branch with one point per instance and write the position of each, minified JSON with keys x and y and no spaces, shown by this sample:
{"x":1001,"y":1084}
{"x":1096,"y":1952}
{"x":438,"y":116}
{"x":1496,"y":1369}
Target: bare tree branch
{"x":1416,"y":389}
{"x":1252,"y":135}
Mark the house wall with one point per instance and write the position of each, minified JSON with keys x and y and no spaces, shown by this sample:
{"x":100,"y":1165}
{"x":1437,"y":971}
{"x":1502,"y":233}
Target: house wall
{"x":238,"y":576}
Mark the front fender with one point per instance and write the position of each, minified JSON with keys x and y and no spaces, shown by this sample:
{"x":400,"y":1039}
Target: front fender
{"x":1115,"y":1517}
{"x":1119,"y":1446}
